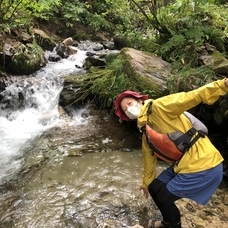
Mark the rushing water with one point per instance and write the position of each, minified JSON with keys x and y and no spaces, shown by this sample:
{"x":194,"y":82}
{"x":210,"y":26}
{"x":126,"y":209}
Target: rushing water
{"x":30,"y":107}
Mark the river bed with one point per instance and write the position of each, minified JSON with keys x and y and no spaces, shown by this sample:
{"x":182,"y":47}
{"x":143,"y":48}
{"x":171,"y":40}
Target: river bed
{"x":91,"y":178}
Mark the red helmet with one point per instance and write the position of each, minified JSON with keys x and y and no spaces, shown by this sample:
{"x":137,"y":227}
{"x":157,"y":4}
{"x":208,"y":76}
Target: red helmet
{"x":118,"y":110}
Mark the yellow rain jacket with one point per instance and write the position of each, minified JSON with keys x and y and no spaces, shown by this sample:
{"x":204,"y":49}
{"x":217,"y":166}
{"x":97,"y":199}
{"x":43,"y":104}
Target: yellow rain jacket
{"x":167,"y":116}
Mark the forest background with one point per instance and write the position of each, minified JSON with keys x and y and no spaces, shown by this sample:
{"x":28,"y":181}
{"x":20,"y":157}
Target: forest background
{"x":172,"y":30}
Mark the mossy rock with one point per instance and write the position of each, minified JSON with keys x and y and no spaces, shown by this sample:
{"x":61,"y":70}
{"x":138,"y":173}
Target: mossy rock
{"x":27,"y":59}
{"x":44,"y":40}
{"x":146,"y":71}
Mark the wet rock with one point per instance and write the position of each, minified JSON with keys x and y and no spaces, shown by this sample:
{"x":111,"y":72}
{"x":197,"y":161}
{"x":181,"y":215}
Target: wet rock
{"x":109,"y":45}
{"x":93,"y":61}
{"x":54,"y":57}
{"x":66,"y":48}
{"x":44,"y":40}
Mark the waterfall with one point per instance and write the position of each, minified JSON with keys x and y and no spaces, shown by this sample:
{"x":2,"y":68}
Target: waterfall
{"x":29,"y":107}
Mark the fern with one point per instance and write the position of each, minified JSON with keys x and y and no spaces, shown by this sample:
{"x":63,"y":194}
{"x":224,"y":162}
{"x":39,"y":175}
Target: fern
{"x":176,"y":40}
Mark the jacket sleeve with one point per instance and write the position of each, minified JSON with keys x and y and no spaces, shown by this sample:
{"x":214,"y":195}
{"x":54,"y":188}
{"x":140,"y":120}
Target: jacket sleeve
{"x":149,"y":163}
{"x":175,"y":104}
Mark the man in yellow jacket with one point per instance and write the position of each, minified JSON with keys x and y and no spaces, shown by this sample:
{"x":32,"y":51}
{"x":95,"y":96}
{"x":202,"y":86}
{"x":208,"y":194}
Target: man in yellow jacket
{"x":199,"y":172}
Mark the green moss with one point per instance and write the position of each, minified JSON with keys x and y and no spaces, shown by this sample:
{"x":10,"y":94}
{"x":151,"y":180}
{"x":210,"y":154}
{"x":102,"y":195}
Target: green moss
{"x":218,"y":58}
{"x":28,"y":59}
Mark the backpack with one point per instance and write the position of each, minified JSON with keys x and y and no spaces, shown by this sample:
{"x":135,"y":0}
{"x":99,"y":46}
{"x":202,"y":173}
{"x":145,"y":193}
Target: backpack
{"x":171,"y":147}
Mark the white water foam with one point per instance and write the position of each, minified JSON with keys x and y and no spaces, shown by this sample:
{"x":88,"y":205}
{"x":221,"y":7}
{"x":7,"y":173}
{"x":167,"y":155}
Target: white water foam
{"x":39,"y":111}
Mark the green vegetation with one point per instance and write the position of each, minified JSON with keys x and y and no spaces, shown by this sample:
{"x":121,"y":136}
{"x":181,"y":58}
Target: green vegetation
{"x":21,"y":13}
{"x":183,"y":26}
{"x":190,"y":76}
{"x":104,"y":84}
{"x":175,"y":30}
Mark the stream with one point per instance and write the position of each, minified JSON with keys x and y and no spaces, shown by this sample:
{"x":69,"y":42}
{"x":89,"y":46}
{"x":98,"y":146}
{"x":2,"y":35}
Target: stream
{"x":76,"y":171}
{"x":30,"y":107}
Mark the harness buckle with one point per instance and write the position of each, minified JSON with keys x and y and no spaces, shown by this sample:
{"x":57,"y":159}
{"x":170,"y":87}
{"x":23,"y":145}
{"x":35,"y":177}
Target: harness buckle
{"x":201,"y":134}
{"x":192,"y":131}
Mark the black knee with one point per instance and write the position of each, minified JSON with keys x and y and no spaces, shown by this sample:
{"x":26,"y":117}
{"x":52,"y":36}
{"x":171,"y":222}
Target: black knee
{"x":155,"y":186}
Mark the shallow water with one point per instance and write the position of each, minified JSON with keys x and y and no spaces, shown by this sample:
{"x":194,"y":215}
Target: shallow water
{"x":85,"y":191}
{"x":91,"y":190}
{"x":91,"y":179}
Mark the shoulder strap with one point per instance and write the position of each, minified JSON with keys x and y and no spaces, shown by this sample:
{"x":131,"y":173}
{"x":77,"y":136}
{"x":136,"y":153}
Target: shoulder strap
{"x":149,"y":110}
{"x":185,"y":139}
{"x":200,"y":134}
{"x":186,"y":136}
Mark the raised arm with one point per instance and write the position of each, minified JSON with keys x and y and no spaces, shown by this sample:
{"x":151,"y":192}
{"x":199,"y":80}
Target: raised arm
{"x":175,"y":104}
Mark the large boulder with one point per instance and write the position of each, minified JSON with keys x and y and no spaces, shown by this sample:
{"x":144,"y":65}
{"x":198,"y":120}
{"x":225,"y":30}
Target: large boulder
{"x":149,"y":71}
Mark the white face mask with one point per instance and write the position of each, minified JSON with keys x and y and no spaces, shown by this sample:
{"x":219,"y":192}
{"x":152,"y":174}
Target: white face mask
{"x":133,"y":111}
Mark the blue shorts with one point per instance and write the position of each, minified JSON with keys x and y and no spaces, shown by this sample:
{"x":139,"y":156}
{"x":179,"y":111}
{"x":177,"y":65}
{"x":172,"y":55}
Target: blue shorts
{"x":196,"y":186}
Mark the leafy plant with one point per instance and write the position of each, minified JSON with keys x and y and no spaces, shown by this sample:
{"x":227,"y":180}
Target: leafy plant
{"x":21,"y":12}
{"x":104,"y":84}
{"x":184,"y":25}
